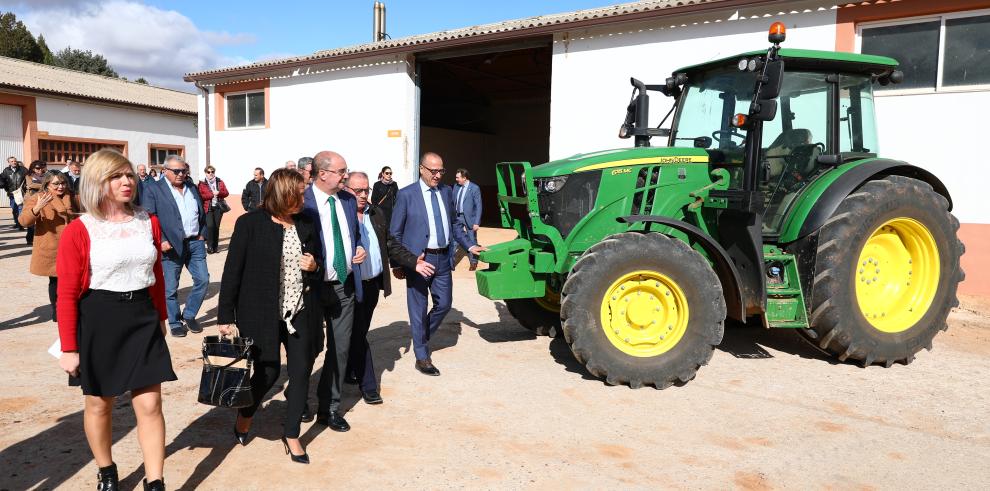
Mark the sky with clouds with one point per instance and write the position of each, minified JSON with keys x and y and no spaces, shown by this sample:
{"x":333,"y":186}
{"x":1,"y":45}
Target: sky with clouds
{"x":162,"y":40}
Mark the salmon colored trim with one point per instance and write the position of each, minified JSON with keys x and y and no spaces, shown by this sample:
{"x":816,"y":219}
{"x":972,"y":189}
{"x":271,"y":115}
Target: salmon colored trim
{"x":220,"y":102}
{"x":181,"y":149}
{"x":122,"y":143}
{"x":29,"y":122}
{"x":976,"y":261}
{"x":851,"y":15}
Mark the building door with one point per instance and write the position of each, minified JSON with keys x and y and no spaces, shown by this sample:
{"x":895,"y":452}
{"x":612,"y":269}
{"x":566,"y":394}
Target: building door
{"x":11,"y":138}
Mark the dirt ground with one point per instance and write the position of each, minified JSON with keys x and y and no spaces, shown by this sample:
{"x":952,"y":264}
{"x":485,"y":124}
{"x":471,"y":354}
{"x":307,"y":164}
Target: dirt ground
{"x":515,"y":411}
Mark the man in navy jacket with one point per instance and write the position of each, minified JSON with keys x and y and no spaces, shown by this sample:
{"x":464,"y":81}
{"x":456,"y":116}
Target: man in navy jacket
{"x":467,"y":200}
{"x":423,"y":230}
{"x":336,"y":214}
{"x":176,"y":201}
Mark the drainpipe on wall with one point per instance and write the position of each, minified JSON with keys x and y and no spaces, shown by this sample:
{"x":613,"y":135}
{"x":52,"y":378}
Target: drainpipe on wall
{"x":206,"y":113}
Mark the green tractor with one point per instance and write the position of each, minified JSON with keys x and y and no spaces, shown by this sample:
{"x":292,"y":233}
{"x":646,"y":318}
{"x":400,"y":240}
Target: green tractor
{"x":778,"y":208}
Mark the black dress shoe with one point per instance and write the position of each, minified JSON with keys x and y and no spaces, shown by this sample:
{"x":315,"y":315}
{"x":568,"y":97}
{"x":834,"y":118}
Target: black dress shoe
{"x":426,"y":367}
{"x":335,"y":421}
{"x":299,"y":459}
{"x":306,"y":416}
{"x":371,"y":397}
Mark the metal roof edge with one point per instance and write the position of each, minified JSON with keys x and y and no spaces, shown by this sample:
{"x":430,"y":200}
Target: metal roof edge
{"x":105,"y":100}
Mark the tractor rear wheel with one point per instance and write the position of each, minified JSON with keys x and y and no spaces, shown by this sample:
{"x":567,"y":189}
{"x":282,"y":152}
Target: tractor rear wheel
{"x":886,"y":273}
{"x":642,"y":309}
{"x":540,"y":315}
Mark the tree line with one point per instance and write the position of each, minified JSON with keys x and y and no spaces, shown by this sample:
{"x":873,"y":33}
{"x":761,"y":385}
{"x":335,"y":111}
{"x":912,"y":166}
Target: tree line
{"x":16,"y":41}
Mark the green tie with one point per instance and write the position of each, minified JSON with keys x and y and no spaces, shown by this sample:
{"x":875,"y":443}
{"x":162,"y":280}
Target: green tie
{"x":339,"y":260}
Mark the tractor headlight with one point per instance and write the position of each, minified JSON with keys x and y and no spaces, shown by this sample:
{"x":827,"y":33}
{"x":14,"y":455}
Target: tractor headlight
{"x":550,"y":185}
{"x":743,"y":65}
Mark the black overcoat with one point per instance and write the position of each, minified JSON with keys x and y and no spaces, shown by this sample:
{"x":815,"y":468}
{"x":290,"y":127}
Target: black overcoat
{"x":250,"y":283}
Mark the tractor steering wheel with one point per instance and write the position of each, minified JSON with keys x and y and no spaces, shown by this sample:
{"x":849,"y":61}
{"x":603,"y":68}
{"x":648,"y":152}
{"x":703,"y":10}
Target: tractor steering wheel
{"x":729,"y":134}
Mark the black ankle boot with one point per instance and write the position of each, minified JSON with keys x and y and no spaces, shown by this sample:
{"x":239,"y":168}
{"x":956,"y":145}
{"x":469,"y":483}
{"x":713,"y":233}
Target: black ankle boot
{"x":156,"y":485}
{"x":107,"y":478}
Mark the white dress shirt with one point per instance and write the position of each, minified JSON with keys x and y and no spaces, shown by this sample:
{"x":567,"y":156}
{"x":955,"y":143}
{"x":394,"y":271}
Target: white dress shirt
{"x":345,"y":232}
{"x":433,"y":244}
{"x":188,"y":209}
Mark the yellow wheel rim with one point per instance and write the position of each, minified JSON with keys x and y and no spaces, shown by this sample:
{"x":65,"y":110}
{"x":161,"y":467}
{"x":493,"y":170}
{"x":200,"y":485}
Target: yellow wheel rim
{"x":644,"y":313}
{"x":897,"y":275}
{"x":549,"y":301}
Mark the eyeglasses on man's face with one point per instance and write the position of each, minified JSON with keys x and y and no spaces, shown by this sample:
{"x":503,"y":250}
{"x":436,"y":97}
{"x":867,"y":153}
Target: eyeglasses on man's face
{"x":436,"y":172}
{"x":360,"y":191}
{"x":177,"y":172}
{"x":342,"y":172}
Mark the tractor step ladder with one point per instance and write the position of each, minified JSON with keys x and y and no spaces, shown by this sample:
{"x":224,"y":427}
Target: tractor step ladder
{"x":785,"y":301}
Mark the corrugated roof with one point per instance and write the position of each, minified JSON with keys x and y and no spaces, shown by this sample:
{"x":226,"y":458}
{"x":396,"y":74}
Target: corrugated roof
{"x":45,"y":78}
{"x":547,"y":23}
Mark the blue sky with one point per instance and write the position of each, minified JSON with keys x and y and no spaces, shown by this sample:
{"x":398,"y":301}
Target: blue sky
{"x":162,"y":40}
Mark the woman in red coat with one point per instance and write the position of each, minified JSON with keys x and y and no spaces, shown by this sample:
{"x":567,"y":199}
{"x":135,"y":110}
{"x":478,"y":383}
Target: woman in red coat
{"x":213,"y":191}
{"x":111,"y":313}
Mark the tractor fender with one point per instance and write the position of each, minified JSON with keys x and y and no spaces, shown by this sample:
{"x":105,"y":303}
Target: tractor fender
{"x":848,"y":182}
{"x":724,"y":268}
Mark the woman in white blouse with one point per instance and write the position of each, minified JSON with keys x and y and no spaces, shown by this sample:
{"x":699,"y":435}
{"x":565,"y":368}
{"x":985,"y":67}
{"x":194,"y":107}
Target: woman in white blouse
{"x":111,"y":313}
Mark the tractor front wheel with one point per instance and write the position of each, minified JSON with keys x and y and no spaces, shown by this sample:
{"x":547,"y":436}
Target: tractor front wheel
{"x":540,"y":315}
{"x":886,"y":273}
{"x":642,"y":309}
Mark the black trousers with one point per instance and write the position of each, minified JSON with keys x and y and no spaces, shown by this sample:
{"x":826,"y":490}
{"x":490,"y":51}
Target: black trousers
{"x":213,"y":218}
{"x":53,"y":295}
{"x":266,"y":373}
{"x":359,"y":362}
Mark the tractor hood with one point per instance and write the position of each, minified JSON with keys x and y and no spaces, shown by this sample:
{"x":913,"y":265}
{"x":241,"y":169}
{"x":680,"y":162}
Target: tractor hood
{"x":620,"y":157}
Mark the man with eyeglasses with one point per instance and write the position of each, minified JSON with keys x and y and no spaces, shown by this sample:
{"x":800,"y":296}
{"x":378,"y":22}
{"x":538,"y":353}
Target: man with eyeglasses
{"x":305,"y":167}
{"x":341,"y":252}
{"x":179,"y":207}
{"x":143,"y":176}
{"x":423,"y":230}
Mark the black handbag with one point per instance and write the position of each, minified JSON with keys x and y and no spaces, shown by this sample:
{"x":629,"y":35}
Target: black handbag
{"x":227,"y":365}
{"x":223,"y":206}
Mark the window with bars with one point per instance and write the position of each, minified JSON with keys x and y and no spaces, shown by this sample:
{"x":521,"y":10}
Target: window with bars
{"x":157,"y":154}
{"x":62,"y":150}
{"x":941,"y":52}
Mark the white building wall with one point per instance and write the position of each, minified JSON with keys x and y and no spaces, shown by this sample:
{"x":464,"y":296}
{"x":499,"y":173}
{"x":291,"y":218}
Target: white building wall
{"x":349,"y":109}
{"x":591,"y":67}
{"x":138,"y":127}
{"x":941,"y":132}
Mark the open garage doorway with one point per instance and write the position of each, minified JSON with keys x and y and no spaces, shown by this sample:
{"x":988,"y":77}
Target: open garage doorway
{"x":486,"y":105}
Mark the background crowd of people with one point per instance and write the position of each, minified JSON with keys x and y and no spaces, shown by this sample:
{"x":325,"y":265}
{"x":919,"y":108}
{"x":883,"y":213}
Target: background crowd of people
{"x":306,"y":267}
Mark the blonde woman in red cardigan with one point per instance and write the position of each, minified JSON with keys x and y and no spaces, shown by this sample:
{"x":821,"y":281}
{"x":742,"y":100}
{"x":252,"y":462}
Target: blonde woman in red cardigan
{"x":111,"y":312}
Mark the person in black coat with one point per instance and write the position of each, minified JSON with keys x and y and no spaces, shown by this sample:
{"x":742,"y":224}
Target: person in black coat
{"x":254,"y":190}
{"x":384,"y":191}
{"x":270,"y":291}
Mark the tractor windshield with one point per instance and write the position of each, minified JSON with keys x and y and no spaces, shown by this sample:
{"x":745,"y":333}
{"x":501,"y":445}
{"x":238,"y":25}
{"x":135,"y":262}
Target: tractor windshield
{"x":708,"y":104}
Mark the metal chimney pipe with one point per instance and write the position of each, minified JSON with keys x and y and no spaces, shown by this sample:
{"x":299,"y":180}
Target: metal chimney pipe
{"x":381,"y":23}
{"x":376,"y":23}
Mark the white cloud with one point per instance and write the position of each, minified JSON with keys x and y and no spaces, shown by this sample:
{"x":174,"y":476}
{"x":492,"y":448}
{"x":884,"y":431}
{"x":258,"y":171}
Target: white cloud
{"x":137,"y":39}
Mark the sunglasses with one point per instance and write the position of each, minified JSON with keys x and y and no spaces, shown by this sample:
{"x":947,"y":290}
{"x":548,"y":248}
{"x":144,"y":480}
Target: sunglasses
{"x":389,"y":173}
{"x":211,"y":172}
{"x":435,"y":172}
{"x":177,"y":171}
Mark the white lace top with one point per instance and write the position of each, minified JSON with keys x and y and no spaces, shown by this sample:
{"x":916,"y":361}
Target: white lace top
{"x":121,"y":255}
{"x":291,"y":284}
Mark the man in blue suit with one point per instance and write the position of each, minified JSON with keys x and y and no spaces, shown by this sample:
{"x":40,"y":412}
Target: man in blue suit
{"x":467,"y":200}
{"x":336,"y":212}
{"x":176,"y":202}
{"x":423,"y":230}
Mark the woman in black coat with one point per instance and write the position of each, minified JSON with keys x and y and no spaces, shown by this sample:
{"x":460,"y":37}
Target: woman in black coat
{"x":384,"y":191}
{"x":268,"y":292}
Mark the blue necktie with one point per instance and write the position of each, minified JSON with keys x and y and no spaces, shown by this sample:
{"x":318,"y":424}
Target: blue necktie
{"x":460,"y":204}
{"x":437,"y":220}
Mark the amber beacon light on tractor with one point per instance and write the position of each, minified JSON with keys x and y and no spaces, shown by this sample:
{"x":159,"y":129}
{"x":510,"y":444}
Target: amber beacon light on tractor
{"x":770,"y":205}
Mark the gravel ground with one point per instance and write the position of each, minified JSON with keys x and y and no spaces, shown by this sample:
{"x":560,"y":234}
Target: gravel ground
{"x":515,"y":411}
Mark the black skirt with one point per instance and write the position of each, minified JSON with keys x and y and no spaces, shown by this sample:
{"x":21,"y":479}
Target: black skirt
{"x":121,"y":345}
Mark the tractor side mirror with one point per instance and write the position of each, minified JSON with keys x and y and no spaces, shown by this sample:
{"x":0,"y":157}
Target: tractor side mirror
{"x":703,"y":142}
{"x":774,"y":80}
{"x":763,"y":110}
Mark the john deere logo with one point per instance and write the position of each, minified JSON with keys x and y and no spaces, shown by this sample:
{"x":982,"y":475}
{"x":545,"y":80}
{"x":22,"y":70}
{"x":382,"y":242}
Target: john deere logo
{"x":622,"y":171}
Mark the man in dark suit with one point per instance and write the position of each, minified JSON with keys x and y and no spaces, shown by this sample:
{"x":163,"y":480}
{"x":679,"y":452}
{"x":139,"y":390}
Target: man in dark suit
{"x":422,"y":226}
{"x":336,"y":214}
{"x":374,"y":280}
{"x":254,"y":190}
{"x":467,"y":200}
{"x":176,"y":201}
{"x":73,"y":171}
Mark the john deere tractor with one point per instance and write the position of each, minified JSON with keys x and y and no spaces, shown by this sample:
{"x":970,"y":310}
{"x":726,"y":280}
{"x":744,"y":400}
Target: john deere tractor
{"x":770,"y":204}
